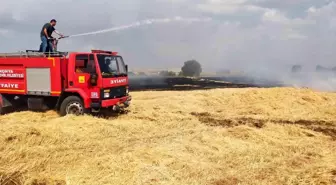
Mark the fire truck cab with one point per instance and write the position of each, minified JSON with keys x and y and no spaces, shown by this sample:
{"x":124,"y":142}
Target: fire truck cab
{"x":70,"y":82}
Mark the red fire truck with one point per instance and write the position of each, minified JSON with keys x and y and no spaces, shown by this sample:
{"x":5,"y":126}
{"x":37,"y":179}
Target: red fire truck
{"x":70,"y":82}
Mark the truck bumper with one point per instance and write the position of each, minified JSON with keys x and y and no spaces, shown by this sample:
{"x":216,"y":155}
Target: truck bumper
{"x":115,"y":104}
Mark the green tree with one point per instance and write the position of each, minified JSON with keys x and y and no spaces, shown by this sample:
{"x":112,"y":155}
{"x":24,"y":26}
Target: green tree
{"x":191,"y":68}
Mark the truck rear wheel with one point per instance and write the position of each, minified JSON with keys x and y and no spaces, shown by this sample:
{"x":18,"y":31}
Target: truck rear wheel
{"x":5,"y":110}
{"x":72,"y":105}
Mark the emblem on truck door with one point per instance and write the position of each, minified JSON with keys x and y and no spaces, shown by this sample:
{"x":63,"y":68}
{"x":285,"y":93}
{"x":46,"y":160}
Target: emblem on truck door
{"x":81,"y":79}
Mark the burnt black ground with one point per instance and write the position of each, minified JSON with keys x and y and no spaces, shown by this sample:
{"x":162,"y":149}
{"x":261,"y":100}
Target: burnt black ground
{"x":183,"y":83}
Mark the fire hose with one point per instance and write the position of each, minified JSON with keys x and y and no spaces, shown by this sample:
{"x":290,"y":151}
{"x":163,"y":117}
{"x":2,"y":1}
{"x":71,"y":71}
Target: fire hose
{"x":54,"y":41}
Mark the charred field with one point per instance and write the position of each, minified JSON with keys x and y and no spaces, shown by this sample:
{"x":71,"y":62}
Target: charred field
{"x":145,"y":83}
{"x":214,"y":136}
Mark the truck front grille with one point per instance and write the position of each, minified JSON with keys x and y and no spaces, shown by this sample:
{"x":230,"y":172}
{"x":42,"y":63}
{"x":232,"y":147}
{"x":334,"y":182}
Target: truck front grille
{"x":116,"y":92}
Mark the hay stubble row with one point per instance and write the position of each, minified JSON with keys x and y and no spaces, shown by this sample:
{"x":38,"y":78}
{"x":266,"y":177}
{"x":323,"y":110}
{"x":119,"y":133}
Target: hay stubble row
{"x":227,"y":136}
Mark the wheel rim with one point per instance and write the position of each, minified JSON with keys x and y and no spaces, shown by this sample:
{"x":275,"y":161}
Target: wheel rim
{"x":75,"y":108}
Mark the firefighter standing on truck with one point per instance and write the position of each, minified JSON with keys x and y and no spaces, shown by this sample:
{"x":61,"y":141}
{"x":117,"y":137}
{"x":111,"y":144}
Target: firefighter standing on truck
{"x":46,"y":37}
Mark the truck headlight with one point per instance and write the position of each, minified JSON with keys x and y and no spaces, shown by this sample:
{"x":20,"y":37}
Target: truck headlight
{"x":126,"y":90}
{"x":106,"y":95}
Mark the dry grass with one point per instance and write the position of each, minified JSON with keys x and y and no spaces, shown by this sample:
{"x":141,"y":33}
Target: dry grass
{"x":229,"y":136}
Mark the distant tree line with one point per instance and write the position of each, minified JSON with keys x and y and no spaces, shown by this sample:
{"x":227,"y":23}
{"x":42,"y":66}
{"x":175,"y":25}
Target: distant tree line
{"x":190,"y":68}
{"x":318,"y":68}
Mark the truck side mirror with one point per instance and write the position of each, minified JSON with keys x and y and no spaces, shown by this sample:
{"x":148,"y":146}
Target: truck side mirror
{"x":93,"y":79}
{"x":126,"y":67}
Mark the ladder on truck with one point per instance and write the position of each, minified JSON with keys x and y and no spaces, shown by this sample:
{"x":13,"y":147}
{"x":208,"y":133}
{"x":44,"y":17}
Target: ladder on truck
{"x":32,"y":54}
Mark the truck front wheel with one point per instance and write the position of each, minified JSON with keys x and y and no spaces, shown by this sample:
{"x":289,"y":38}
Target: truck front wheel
{"x":1,"y":108}
{"x":72,"y":105}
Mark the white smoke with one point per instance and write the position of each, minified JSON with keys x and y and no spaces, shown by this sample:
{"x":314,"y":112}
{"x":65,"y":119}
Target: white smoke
{"x":142,"y":23}
{"x":322,"y":81}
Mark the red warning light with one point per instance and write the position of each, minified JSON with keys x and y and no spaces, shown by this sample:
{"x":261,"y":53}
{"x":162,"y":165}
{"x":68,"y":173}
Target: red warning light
{"x":102,"y":51}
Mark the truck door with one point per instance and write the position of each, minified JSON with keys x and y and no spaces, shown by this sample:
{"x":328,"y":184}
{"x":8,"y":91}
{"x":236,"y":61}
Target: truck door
{"x":84,"y":66}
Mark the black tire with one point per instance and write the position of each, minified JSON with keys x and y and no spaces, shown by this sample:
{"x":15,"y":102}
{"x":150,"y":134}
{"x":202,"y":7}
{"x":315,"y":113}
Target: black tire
{"x":5,"y":110}
{"x":72,"y":105}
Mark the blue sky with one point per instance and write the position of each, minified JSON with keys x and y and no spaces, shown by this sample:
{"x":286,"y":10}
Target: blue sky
{"x":254,"y":34}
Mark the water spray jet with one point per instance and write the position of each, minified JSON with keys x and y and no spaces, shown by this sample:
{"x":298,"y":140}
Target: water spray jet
{"x":142,"y":23}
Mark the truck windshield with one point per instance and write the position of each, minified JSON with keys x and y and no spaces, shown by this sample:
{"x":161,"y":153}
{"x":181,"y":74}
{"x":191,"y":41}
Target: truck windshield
{"x":111,"y":66}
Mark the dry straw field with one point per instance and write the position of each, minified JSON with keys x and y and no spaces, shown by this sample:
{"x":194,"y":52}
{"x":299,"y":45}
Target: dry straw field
{"x":215,"y":137}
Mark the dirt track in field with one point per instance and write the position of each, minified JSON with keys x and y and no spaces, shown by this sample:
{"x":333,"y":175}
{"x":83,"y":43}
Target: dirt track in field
{"x":223,"y":136}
